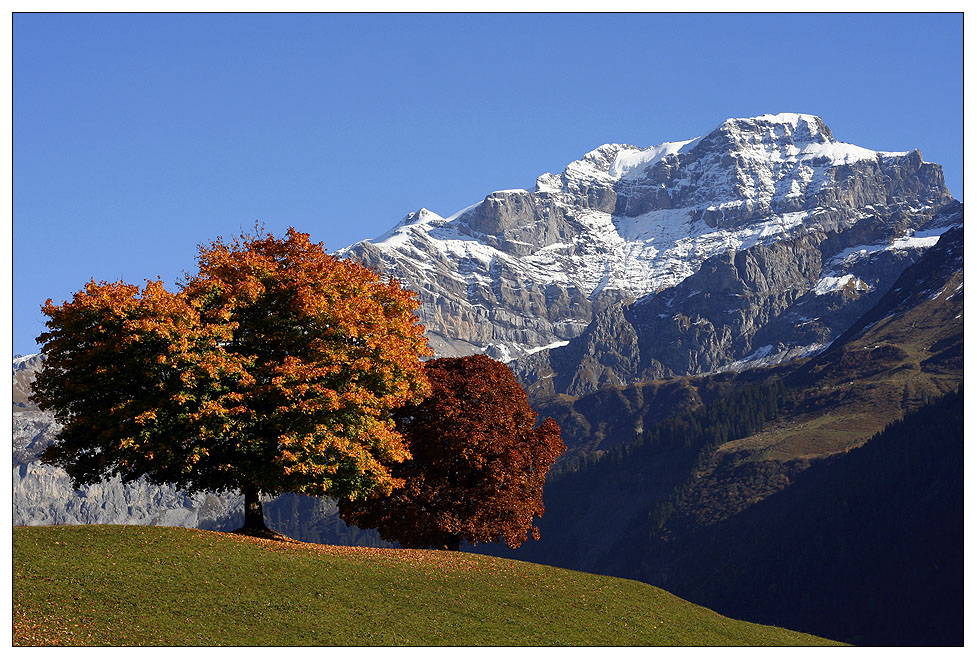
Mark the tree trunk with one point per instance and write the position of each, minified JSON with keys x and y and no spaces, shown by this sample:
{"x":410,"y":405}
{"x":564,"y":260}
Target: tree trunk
{"x":453,"y":544}
{"x":254,"y":515}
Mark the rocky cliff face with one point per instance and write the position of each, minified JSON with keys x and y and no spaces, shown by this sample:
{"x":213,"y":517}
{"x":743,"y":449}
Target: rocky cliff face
{"x":762,"y":305}
{"x":734,"y":239}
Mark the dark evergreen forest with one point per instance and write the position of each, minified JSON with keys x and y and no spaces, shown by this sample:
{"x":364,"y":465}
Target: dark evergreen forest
{"x":865,"y":548}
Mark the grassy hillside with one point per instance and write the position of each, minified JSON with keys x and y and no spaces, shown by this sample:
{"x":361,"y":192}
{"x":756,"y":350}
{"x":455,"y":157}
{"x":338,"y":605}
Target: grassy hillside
{"x":109,"y":585}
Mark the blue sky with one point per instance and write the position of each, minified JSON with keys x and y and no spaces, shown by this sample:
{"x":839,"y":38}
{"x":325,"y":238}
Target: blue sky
{"x":137,"y":137}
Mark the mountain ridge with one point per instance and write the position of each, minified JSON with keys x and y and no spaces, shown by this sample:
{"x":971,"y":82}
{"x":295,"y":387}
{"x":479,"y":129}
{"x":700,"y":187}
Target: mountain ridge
{"x":524,"y":271}
{"x":763,"y":305}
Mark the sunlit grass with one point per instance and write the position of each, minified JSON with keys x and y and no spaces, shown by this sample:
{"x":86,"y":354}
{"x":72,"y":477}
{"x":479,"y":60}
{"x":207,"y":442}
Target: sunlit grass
{"x":113,"y":585}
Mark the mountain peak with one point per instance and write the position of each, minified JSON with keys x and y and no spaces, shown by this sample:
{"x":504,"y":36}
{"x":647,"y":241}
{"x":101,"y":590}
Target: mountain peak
{"x":800,"y":128}
{"x":784,"y":134}
{"x":771,"y":137}
{"x":785,"y":139}
{"x":422,"y":216}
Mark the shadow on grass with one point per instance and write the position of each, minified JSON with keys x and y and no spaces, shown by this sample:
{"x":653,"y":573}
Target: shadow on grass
{"x":264,"y":533}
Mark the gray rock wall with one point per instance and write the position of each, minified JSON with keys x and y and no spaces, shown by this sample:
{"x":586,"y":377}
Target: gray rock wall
{"x":538,"y":267}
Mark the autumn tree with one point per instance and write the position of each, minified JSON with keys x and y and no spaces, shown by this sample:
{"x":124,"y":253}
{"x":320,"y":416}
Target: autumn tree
{"x":273,"y":369}
{"x":478,"y":462}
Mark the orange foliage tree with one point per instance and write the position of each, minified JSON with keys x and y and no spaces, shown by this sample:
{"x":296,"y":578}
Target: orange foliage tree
{"x":478,"y":462}
{"x":274,"y":369}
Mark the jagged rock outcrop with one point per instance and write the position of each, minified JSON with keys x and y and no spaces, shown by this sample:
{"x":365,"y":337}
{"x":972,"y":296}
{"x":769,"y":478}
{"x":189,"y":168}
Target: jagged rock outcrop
{"x":762,"y":305}
{"x":524,"y":271}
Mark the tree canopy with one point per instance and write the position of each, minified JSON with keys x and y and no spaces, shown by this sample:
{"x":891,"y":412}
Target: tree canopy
{"x":478,"y":462}
{"x":275,"y":368}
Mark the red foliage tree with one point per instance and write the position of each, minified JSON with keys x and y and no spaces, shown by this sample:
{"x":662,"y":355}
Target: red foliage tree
{"x":478,"y":462}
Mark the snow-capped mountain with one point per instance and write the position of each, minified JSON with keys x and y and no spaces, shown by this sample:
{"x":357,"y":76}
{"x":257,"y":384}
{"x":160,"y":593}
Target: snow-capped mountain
{"x":762,"y":240}
{"x":525,"y":271}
